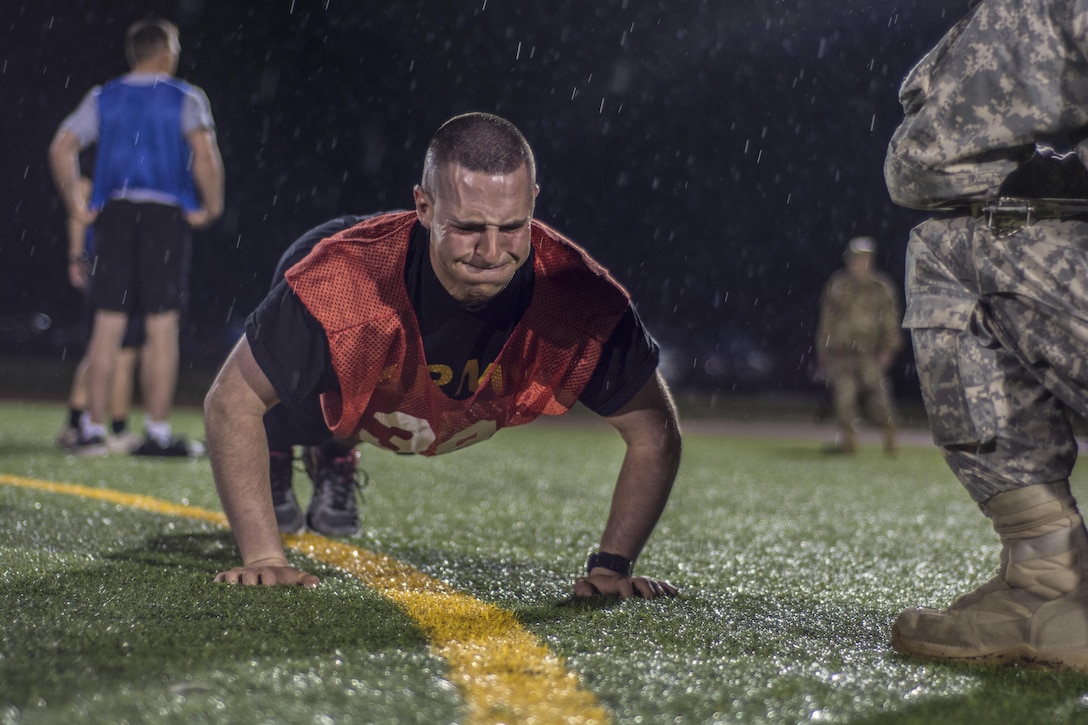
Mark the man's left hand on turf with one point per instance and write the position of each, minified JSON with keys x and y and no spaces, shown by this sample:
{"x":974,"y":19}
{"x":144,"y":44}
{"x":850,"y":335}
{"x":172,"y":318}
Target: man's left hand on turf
{"x":611,"y":583}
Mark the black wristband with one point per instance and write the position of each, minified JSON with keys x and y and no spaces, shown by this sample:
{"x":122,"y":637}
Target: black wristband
{"x":612,"y":562}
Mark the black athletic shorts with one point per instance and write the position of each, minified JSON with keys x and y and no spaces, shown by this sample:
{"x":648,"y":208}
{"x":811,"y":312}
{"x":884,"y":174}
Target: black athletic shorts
{"x":303,"y":424}
{"x":142,"y":256}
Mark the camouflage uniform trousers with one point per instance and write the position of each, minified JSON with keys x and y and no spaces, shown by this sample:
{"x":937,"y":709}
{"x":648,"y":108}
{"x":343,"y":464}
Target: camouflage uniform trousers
{"x":855,"y":377}
{"x":999,"y":324}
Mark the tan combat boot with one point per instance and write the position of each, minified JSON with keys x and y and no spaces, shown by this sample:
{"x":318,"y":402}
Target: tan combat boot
{"x":1035,"y":611}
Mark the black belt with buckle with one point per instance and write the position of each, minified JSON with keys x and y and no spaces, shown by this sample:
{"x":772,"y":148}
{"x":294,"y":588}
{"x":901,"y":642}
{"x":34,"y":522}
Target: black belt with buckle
{"x":1007,"y":214}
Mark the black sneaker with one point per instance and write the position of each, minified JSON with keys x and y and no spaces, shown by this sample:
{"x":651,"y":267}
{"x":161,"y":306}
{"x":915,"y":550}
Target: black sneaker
{"x":333,"y":509}
{"x":88,"y":446}
{"x":174,"y":448}
{"x":289,"y":516}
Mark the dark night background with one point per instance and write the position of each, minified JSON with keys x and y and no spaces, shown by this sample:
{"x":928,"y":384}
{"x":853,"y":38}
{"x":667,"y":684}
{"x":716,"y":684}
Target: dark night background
{"x":715,"y":155}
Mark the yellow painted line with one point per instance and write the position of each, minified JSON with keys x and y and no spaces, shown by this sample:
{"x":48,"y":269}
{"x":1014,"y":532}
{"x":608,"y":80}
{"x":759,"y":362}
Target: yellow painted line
{"x":505,"y":674}
{"x":129,"y":500}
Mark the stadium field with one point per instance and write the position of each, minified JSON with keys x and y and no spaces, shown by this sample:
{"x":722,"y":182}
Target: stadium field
{"x":453,"y":605}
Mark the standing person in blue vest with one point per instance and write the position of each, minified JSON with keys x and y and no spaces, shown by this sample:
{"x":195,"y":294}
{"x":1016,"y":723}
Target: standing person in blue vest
{"x":158,"y":175}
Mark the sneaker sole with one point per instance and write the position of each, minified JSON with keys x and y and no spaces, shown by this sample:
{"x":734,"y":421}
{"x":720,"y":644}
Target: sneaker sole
{"x":159,"y":453}
{"x":332,"y":531}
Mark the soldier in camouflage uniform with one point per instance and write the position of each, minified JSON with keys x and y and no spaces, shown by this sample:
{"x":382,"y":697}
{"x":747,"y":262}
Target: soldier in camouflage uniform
{"x":997,"y":303}
{"x":857,"y":338}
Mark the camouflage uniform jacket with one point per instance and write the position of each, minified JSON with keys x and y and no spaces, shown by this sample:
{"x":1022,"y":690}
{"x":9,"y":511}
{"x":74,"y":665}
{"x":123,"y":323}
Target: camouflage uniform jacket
{"x":1007,"y":78}
{"x":858,"y":315}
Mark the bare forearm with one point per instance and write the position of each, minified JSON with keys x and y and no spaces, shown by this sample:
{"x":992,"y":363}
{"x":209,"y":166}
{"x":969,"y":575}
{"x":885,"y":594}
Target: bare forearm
{"x":233,"y":416}
{"x":77,"y":239}
{"x":64,"y":166}
{"x":642,"y":490}
{"x":208,"y":175}
{"x":239,"y":457}
{"x":210,"y":183}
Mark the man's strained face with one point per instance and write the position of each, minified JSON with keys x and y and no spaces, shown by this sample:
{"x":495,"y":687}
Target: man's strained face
{"x":479,"y":225}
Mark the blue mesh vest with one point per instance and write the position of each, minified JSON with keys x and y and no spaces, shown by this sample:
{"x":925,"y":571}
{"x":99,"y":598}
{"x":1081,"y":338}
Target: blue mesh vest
{"x":140,"y":145}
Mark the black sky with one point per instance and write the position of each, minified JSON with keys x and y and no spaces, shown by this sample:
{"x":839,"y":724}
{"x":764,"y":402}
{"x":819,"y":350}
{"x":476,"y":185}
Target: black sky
{"x":716,"y":156}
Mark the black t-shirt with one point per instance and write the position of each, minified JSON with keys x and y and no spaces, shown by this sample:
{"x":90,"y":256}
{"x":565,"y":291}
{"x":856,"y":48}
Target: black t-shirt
{"x":459,"y":342}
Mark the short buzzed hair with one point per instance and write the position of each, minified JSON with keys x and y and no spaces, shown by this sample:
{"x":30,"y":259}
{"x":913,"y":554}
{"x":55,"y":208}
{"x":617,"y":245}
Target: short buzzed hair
{"x":147,"y":38}
{"x":480,"y":142}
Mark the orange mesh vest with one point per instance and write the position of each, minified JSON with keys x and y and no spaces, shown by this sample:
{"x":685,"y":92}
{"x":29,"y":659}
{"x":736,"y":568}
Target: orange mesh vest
{"x":353,"y":284}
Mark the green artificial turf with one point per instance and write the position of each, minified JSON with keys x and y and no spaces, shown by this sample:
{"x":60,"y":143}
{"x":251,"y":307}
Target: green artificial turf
{"x":791,"y":565}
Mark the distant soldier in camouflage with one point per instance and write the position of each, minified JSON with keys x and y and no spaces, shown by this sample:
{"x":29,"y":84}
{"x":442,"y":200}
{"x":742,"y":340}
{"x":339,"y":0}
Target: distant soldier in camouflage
{"x":994,"y":140}
{"x":857,"y":337}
